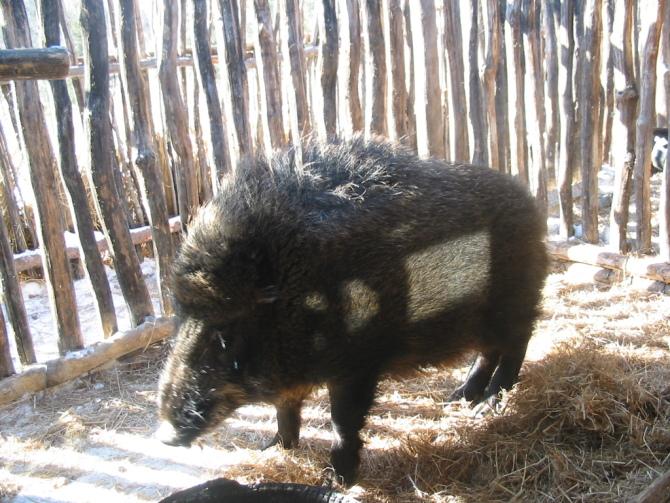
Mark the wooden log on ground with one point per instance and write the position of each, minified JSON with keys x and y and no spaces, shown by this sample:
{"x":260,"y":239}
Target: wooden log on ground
{"x":646,"y":267}
{"x":350,"y":62}
{"x":664,"y":204}
{"x":207,"y":80}
{"x":590,"y":86}
{"x":375,"y":61}
{"x":515,"y":72}
{"x":652,"y":19}
{"x":126,"y":261}
{"x":237,"y":74}
{"x":267,"y":65}
{"x":31,"y":64}
{"x":623,"y":124}
{"x":6,"y":364}
{"x":43,"y":178}
{"x":453,"y":43}
{"x":175,"y":112}
{"x":327,"y":63}
{"x":146,"y":160}
{"x":294,"y":54}
{"x":39,"y":377}
{"x":658,"y":491}
{"x":75,"y":185}
{"x":428,"y":97}
{"x":490,"y":70}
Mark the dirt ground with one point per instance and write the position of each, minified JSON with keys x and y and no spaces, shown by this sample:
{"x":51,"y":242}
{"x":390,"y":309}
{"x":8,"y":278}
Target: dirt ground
{"x":589,"y":421}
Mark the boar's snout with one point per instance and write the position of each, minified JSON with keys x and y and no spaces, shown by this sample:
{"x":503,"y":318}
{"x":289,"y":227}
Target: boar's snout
{"x":169,"y":435}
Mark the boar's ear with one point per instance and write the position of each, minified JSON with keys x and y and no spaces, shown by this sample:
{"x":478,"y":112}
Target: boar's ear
{"x":267,"y":295}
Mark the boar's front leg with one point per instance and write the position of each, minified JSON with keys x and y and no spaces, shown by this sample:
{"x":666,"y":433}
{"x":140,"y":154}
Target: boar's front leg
{"x":350,"y":402}
{"x":288,"y":420}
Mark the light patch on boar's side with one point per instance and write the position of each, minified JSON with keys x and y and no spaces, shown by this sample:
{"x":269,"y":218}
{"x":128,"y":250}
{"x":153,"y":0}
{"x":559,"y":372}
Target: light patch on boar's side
{"x":443,"y":274}
{"x":361,"y":303}
{"x":316,"y":302}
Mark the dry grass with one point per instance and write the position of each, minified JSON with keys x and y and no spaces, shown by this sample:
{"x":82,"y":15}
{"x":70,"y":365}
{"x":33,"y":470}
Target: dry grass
{"x":589,"y":421}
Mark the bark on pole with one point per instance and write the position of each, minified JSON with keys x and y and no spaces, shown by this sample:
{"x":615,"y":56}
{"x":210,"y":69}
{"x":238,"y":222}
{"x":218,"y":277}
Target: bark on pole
{"x":267,"y":66}
{"x":517,"y":99}
{"x":566,"y":155}
{"x":75,"y":185}
{"x":396,"y":56}
{"x":375,"y":61}
{"x":623,"y":124}
{"x":428,"y":97}
{"x":536,"y":122}
{"x":43,"y":177}
{"x":328,"y":55}
{"x":207,"y":80}
{"x":294,"y":53}
{"x":6,"y":364}
{"x":350,"y":62}
{"x":476,"y":106}
{"x":146,"y":159}
{"x":491,"y":62}
{"x":453,"y":42}
{"x":664,"y":205}
{"x":126,"y":262}
{"x":590,"y":134}
{"x":175,"y":112}
{"x":13,"y":298}
{"x":551,"y":55}
{"x":652,"y":19}
{"x":608,"y":81}
{"x":237,"y":74}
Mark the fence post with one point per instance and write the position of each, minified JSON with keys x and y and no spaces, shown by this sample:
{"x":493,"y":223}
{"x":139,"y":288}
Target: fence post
{"x":43,"y":177}
{"x":267,"y":67}
{"x":652,"y":19}
{"x":237,"y":74}
{"x":205,"y":67}
{"x":146,"y":160}
{"x":514,"y":46}
{"x":375,"y":61}
{"x":6,"y":364}
{"x":453,"y":42}
{"x":551,"y":85}
{"x":491,"y":62}
{"x":102,"y":172}
{"x":328,"y":57}
{"x":607,"y":79}
{"x":396,"y":56}
{"x":664,"y":205}
{"x":74,"y":183}
{"x":349,"y":64}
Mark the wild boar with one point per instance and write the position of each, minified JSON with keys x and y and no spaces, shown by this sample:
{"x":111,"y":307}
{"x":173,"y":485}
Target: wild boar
{"x":361,"y":262}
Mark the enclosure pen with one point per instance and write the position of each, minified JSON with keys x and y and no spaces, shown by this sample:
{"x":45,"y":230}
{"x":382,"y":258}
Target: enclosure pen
{"x":120,"y":118}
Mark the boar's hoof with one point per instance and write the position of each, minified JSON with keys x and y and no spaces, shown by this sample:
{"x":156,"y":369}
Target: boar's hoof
{"x":167,"y":434}
{"x":281,"y":441}
{"x":345,"y":462}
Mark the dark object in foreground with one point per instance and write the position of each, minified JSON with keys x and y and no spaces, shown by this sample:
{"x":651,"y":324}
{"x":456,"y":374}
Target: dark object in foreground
{"x":224,"y":490}
{"x":367,"y":262}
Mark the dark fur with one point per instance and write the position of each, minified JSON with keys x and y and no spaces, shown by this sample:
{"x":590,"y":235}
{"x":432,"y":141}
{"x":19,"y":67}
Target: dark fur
{"x":368,"y":262}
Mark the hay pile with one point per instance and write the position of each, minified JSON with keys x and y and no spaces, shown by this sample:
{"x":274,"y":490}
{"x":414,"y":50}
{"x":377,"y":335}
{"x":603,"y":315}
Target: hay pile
{"x":589,"y":421}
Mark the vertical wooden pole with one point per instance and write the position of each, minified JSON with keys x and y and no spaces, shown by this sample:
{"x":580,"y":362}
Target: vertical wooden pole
{"x":652,"y":19}
{"x":590,"y":134}
{"x":6,"y":364}
{"x":411,"y":91}
{"x":175,"y":112}
{"x":608,"y":81}
{"x":664,"y":205}
{"x":237,"y":74}
{"x":516,"y":71}
{"x":491,"y":62}
{"x":453,"y":42}
{"x":551,"y":85}
{"x":13,"y":297}
{"x":623,"y":125}
{"x":502,"y":100}
{"x":207,"y":80}
{"x":267,"y":67}
{"x":479,"y":129}
{"x":375,"y":60}
{"x":146,"y":159}
{"x":294,"y":54}
{"x":350,"y":62}
{"x":7,"y":170}
{"x":328,"y":54}
{"x":396,"y":56}
{"x":43,"y":177}
{"x":75,"y":185}
{"x":126,"y":262}
{"x":567,"y":140}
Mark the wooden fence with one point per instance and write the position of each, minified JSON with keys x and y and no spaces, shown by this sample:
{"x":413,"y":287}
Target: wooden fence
{"x":135,"y":139}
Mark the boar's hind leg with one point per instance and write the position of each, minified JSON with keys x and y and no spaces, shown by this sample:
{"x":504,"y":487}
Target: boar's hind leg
{"x":288,"y":423}
{"x":350,"y":402}
{"x":478,"y":378}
